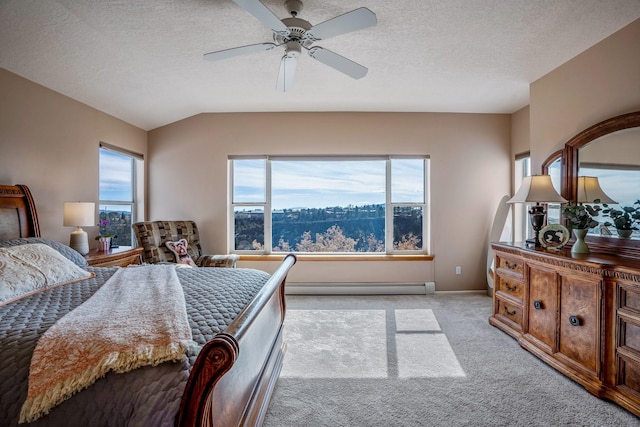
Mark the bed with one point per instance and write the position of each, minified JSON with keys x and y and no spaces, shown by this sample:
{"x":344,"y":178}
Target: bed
{"x":235,"y":317}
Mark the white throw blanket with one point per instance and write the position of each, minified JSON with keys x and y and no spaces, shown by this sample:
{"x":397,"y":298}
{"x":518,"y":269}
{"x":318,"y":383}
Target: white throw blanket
{"x":137,"y":318}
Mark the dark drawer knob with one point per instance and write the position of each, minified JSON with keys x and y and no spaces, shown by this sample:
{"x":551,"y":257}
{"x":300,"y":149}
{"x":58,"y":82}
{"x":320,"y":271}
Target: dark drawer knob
{"x":574,"y":320}
{"x":511,"y":266}
{"x":509,"y":313}
{"x":538,"y":305}
{"x":510,"y":287}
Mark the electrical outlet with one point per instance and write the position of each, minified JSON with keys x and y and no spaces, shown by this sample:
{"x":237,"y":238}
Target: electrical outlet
{"x":458,"y":269}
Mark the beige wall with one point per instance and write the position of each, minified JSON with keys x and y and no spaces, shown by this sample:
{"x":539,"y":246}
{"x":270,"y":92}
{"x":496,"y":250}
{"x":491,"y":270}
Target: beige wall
{"x":601,"y":82}
{"x":470,"y":166}
{"x":50,"y":143}
{"x":520,"y":132}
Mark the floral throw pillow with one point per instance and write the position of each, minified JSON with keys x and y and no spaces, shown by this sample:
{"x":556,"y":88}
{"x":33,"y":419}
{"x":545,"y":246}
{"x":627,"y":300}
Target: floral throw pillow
{"x":179,"y":250}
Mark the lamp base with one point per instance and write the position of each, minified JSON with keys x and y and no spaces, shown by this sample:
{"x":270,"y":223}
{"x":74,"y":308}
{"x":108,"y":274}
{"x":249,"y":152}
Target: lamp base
{"x":537,"y":216}
{"x":79,"y":241}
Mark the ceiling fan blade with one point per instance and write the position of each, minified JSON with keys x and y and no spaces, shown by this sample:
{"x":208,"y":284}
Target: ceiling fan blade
{"x":338,"y":62}
{"x":351,"y":21}
{"x":287,"y":73}
{"x":264,"y":14}
{"x":236,"y":51}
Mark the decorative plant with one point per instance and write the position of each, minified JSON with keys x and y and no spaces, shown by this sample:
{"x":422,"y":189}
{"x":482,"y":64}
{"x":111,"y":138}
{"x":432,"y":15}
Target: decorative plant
{"x":580,"y":217}
{"x":624,"y":218}
{"x":103,"y":229}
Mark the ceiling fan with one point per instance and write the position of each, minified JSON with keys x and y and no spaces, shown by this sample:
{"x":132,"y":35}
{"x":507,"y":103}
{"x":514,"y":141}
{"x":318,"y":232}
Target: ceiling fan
{"x":296,"y":34}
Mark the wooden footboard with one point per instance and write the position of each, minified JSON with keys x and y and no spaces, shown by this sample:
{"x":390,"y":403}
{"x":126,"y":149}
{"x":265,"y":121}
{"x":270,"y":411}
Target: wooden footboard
{"x":234,"y":375}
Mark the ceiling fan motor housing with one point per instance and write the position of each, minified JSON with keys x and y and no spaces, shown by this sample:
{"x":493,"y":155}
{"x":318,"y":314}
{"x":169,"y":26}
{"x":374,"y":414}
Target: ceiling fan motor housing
{"x":295,"y":40}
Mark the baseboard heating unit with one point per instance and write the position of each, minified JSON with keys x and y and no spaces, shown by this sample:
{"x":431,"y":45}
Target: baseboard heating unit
{"x":424,"y":288}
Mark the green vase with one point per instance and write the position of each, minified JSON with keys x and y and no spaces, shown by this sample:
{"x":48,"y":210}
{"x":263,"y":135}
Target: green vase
{"x":580,"y":246}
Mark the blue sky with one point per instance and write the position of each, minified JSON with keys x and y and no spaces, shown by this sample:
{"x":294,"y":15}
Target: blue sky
{"x":318,"y":184}
{"x":621,"y":185}
{"x":115,"y":176}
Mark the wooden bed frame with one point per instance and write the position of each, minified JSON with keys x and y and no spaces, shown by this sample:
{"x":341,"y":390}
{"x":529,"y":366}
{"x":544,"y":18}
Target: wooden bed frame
{"x":235,"y":373}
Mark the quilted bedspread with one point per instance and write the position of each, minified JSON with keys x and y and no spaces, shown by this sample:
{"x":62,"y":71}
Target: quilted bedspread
{"x":149,"y":396}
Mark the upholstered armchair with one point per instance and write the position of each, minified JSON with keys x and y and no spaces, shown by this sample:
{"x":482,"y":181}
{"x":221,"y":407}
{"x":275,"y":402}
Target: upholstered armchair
{"x":153,"y":236}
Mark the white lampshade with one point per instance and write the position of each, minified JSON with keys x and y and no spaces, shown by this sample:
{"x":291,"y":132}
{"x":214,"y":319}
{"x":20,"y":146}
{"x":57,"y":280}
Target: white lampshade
{"x":589,"y":191}
{"x":537,"y":189}
{"x":79,"y":214}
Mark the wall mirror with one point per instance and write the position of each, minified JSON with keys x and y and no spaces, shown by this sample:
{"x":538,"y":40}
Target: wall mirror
{"x":609,"y":150}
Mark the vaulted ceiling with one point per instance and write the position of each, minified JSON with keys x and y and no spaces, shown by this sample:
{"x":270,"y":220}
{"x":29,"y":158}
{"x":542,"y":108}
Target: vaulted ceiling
{"x":142,"y":61}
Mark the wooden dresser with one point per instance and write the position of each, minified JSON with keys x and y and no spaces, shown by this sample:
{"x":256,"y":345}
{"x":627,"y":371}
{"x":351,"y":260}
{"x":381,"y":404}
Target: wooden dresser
{"x":579,"y":314}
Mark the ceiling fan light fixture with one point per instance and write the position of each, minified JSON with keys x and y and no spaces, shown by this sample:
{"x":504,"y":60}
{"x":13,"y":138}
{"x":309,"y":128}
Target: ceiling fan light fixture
{"x":293,"y":49}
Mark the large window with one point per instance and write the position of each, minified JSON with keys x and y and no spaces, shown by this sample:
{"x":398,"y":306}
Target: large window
{"x":117,"y":206}
{"x":329,"y":204}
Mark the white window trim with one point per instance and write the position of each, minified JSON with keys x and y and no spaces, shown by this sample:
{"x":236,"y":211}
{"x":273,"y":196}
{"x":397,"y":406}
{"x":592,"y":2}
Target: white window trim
{"x":266,"y":205}
{"x":137,"y":208}
{"x":522,"y":168}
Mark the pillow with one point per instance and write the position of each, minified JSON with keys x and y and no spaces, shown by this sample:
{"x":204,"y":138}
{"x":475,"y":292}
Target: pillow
{"x":65,"y":250}
{"x":180,"y":251}
{"x":27,"y":269}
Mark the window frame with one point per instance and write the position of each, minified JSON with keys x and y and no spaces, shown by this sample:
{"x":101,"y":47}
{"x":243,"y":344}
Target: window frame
{"x":136,"y":168}
{"x":522,"y":229}
{"x":266,"y":204}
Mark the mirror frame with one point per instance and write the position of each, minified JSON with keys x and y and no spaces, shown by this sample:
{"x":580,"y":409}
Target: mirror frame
{"x":549,"y":161}
{"x":569,"y":178}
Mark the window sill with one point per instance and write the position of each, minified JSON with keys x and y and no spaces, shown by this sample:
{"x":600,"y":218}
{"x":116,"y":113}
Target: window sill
{"x":333,"y":258}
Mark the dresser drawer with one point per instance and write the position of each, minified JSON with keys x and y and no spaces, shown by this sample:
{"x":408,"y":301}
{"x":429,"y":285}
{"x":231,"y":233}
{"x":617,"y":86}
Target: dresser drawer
{"x":630,"y":299}
{"x":629,"y":376}
{"x":511,"y":265}
{"x":509,"y":313}
{"x":629,"y":336}
{"x":511,"y":287}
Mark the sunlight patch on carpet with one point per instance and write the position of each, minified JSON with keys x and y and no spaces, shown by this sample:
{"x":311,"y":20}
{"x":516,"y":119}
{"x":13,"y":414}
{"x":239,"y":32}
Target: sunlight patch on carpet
{"x":416,"y":320}
{"x":426,"y":356}
{"x":367,"y":344}
{"x":335,"y":344}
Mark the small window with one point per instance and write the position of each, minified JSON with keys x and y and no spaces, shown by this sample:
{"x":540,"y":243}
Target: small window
{"x":117,"y":199}
{"x":554,"y":209}
{"x":522,"y":225}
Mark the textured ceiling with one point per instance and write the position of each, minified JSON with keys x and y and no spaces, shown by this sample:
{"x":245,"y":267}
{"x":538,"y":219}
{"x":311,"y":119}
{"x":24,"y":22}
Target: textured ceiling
{"x":141,"y":60}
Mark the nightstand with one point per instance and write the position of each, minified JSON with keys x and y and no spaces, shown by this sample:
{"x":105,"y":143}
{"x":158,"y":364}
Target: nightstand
{"x":114,"y":257}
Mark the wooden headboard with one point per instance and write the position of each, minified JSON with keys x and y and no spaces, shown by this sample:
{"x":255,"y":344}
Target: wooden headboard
{"x":18,"y":217}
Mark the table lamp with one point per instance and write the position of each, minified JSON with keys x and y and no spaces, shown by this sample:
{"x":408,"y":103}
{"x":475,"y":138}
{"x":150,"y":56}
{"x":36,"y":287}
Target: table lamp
{"x":537,"y":189}
{"x":79,"y":214}
{"x":589,"y":191}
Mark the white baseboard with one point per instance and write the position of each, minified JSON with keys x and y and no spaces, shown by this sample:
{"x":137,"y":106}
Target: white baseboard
{"x":360,"y":288}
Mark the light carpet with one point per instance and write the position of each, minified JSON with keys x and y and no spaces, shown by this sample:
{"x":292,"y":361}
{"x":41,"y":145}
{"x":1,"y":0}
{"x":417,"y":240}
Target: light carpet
{"x":416,"y":360}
